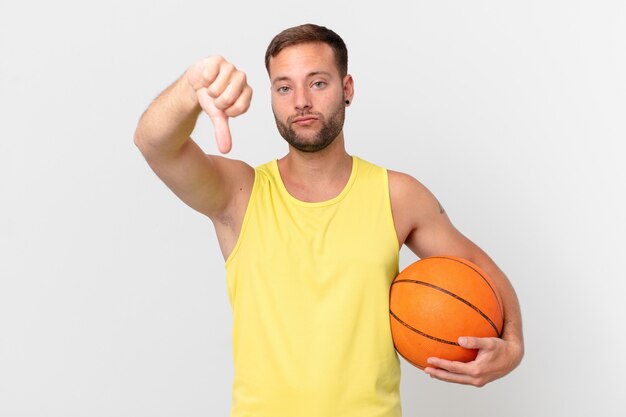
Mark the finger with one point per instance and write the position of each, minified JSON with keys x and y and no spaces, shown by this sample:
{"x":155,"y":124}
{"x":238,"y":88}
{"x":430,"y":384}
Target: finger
{"x":242,"y":104}
{"x":444,"y":375}
{"x":477,"y":342}
{"x":233,"y":90}
{"x":218,"y":86}
{"x":204,"y":72}
{"x":450,"y":366}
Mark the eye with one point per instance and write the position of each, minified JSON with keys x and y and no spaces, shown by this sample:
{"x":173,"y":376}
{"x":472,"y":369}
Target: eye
{"x":319,"y":84}
{"x":283,"y":90}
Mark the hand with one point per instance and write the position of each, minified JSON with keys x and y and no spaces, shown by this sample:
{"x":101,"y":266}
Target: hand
{"x":496,"y":358}
{"x":222,"y":92}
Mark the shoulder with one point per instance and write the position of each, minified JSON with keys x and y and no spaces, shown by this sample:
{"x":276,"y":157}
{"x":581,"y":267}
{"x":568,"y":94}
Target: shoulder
{"x":412,"y":201}
{"x":404,"y":188}
{"x":409,"y":197}
{"x":421,"y":221}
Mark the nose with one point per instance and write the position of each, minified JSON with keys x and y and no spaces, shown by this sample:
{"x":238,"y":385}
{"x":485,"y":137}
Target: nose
{"x":302,"y":99}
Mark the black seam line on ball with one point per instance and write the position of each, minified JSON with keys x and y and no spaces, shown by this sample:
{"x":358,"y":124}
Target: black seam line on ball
{"x":422,"y":333}
{"x":451,"y":294}
{"x":484,"y":279}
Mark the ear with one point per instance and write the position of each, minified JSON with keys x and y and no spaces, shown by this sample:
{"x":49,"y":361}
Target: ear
{"x":348,"y":88}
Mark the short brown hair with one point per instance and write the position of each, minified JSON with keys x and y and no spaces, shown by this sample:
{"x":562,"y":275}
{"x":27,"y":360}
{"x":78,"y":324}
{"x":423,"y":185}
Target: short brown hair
{"x":309,"y":33}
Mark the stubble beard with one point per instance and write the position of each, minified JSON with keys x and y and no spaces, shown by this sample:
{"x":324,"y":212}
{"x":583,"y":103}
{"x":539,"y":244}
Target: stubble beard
{"x":325,"y":135}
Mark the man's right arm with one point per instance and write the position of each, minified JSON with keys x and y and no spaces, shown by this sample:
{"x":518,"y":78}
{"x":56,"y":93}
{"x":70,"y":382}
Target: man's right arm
{"x":209,"y":184}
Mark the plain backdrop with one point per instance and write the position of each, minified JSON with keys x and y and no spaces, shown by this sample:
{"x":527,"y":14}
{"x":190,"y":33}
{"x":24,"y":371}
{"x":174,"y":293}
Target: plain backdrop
{"x":113,"y":298}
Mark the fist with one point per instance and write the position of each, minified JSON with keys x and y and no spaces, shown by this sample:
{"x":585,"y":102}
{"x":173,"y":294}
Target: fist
{"x":222,"y":92}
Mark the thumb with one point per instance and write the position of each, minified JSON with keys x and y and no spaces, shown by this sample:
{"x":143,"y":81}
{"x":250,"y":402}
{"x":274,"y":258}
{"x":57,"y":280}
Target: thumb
{"x":470,"y":342}
{"x":483,"y":343}
{"x":219,"y":120}
{"x":222,"y":132}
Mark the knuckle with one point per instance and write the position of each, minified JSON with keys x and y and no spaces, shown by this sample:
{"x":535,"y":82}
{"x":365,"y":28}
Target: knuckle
{"x":243,"y":78}
{"x":223,"y":102}
{"x":208,"y":75}
{"x":205,"y":76}
{"x":227,"y":67}
{"x":215,"y":59}
{"x":213,"y":91}
{"x":249,"y":93}
{"x":230,"y":112}
{"x":479,"y":383}
{"x":237,"y":108}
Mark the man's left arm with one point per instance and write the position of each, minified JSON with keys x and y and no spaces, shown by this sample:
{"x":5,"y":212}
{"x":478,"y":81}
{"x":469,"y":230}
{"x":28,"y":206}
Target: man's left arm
{"x":429,"y":232}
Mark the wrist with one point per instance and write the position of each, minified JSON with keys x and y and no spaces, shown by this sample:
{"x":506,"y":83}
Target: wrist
{"x":515,"y":346}
{"x":188,"y":94}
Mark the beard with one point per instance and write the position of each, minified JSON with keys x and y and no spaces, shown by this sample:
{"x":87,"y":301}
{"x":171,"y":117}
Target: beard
{"x":322,"y":138}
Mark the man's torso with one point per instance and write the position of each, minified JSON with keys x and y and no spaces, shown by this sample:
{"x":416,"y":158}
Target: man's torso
{"x":228,"y":226}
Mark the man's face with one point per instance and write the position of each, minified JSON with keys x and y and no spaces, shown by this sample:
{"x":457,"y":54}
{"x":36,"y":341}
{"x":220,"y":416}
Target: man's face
{"x":308,"y":95}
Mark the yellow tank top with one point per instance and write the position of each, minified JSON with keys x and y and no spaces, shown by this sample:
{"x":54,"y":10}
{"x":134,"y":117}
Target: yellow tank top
{"x":308,"y":284}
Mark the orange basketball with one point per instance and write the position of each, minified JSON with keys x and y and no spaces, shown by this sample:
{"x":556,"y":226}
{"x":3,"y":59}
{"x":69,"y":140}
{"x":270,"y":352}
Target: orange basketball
{"x":436,"y":300}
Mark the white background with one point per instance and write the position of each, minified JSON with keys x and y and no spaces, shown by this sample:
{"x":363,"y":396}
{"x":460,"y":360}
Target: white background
{"x":113,"y":298}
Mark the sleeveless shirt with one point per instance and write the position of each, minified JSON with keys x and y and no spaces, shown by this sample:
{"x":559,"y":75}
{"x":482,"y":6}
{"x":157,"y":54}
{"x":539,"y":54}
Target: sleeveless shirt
{"x":308,"y":284}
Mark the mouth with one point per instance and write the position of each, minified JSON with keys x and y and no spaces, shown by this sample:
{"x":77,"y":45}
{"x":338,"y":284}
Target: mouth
{"x":304,"y":120}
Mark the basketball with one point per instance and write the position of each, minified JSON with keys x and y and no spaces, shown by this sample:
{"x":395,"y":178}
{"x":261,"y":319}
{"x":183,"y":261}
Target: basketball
{"x":436,"y":300}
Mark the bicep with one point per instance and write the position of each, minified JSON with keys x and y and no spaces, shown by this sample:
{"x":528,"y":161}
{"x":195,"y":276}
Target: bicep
{"x":430,"y":231}
{"x":433,"y":234}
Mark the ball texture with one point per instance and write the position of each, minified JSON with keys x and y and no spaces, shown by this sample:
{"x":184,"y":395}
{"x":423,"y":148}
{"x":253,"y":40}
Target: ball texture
{"x":436,"y":300}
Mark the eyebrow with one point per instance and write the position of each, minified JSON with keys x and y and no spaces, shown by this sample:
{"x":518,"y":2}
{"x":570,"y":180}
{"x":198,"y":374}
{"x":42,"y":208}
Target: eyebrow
{"x":310,"y":74}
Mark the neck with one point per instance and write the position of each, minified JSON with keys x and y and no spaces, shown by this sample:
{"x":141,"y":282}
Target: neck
{"x":327,"y":166}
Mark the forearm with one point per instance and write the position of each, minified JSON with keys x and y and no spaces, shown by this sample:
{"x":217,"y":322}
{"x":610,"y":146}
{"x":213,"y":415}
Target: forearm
{"x":169,"y":120}
{"x":512,"y":330}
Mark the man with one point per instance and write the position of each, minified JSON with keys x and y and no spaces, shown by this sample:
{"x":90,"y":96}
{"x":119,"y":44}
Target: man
{"x":311,"y":240}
